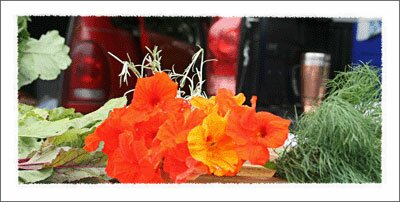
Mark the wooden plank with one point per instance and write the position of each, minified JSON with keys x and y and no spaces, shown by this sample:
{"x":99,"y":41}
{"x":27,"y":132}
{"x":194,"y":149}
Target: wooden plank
{"x":248,"y":174}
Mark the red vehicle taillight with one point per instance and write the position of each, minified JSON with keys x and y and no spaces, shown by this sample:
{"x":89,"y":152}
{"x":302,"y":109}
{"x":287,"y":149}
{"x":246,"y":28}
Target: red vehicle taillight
{"x":223,"y":44}
{"x":89,"y":78}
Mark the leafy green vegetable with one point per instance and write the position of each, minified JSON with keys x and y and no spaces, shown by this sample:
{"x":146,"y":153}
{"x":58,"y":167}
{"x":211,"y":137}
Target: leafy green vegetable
{"x":64,"y":132}
{"x":27,"y":145}
{"x":78,"y":157}
{"x":74,"y":174}
{"x":44,"y":128}
{"x":62,"y":113}
{"x":99,"y":115}
{"x":340,"y":141}
{"x":73,"y":138}
{"x":23,"y":33}
{"x":69,"y":164}
{"x":40,"y":128}
{"x":43,"y":58}
{"x":31,"y":176}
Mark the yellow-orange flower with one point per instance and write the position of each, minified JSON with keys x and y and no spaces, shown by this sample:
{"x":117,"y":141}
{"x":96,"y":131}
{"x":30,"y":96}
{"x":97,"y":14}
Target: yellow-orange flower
{"x":224,"y":101}
{"x":209,"y":144}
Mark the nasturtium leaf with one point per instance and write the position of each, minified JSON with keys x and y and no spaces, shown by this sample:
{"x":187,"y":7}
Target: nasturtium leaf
{"x":43,"y":58}
{"x":27,"y":145}
{"x":74,"y":174}
{"x":31,"y":176}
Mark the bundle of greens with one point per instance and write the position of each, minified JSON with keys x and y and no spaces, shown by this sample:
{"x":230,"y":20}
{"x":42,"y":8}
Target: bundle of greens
{"x":50,"y":144}
{"x":339,"y":141}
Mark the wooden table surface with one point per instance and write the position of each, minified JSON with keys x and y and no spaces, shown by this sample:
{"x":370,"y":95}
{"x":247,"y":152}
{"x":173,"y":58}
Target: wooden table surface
{"x":248,"y":174}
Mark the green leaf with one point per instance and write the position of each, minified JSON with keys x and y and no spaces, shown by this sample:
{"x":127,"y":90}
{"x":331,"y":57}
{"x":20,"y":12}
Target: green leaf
{"x":72,"y":138}
{"x":100,"y":114}
{"x":74,"y":174}
{"x":23,"y":33}
{"x":78,"y":157}
{"x":43,"y":58}
{"x":23,"y":109}
{"x":42,"y":157}
{"x":31,"y":176}
{"x":27,"y":145}
{"x":44,"y":128}
{"x":270,"y":165}
{"x":61,"y":113}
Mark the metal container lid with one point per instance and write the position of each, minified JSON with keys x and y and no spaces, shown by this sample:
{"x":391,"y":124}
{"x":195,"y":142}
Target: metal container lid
{"x":315,"y":59}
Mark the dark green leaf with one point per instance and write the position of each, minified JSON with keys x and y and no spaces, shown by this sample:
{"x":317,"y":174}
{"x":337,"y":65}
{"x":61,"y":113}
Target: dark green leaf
{"x":270,"y":165}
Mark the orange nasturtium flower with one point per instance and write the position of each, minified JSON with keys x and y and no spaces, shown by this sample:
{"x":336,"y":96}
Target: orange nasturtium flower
{"x":255,"y":132}
{"x":130,"y":162}
{"x":209,"y":144}
{"x":154,"y":91}
{"x":108,"y":131}
{"x":160,"y":137}
{"x":171,"y":145}
{"x":223,"y":101}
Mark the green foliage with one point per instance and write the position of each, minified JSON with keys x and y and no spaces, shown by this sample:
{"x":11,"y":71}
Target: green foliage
{"x":76,"y":174}
{"x":43,"y":58}
{"x":63,"y":164}
{"x":270,"y":165}
{"x":51,"y":141}
{"x":31,"y":176}
{"x":23,"y":33}
{"x":34,"y":124}
{"x":73,"y":137}
{"x":61,"y":113}
{"x":90,"y":120}
{"x":27,"y":145}
{"x":339,"y":142}
{"x":78,"y":157}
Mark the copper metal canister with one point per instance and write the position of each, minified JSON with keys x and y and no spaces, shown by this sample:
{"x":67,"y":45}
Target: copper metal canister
{"x":314,"y":72}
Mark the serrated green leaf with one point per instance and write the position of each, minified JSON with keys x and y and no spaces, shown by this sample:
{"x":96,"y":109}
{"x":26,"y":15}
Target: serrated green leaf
{"x":74,"y":174}
{"x":27,"y":145}
{"x":43,"y":58}
{"x":31,"y":176}
{"x":61,"y":113}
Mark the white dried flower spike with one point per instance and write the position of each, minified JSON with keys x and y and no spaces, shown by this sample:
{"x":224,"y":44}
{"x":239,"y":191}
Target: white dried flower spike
{"x":124,"y":74}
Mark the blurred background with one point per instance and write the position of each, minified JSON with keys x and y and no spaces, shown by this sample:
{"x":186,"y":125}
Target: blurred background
{"x":257,"y":56}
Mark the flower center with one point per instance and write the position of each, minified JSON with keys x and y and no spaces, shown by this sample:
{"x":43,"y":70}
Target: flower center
{"x":155,"y":100}
{"x":263,"y":132}
{"x":209,"y":140}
